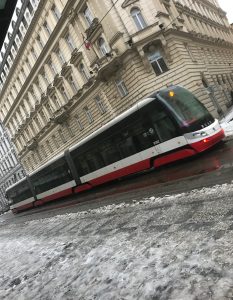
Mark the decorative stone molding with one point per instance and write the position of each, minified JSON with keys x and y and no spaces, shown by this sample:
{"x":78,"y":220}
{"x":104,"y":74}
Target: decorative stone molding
{"x":57,"y":81}
{"x":128,"y":2}
{"x":115,"y":38}
{"x":66,"y":70}
{"x":50,"y":88}
{"x":32,"y":145}
{"x":60,"y":116}
{"x":94,"y":30}
{"x":108,"y":66}
{"x":76,"y":57}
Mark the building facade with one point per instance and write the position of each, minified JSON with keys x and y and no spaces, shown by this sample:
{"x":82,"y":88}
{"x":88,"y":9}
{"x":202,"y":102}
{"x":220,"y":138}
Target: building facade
{"x":10,"y":169}
{"x":71,"y":66}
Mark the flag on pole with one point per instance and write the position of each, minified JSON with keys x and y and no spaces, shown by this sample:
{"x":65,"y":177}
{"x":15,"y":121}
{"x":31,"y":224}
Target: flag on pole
{"x":87,"y":44}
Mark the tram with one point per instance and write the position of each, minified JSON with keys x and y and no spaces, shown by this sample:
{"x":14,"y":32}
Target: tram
{"x":169,"y":125}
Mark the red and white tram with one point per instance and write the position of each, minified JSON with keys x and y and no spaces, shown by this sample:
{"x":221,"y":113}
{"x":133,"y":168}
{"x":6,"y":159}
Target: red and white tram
{"x":169,"y":125}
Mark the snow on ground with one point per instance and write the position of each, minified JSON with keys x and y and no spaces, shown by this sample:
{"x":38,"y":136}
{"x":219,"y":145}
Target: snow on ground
{"x":227,"y":124}
{"x":172,"y":247}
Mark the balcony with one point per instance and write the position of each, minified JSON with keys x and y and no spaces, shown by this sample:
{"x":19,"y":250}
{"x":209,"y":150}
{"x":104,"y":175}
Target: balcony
{"x":76,"y":57}
{"x":108,"y":65}
{"x":66,"y":69}
{"x":94,"y":30}
{"x":60,"y":116}
{"x":32,"y":145}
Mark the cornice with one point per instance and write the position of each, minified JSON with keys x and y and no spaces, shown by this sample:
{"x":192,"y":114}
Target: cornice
{"x":197,"y":37}
{"x":42,"y":57}
{"x":197,"y":15}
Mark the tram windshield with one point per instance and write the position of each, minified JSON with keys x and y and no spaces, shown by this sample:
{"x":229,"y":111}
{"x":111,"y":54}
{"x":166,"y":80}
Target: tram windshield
{"x":190,"y":113}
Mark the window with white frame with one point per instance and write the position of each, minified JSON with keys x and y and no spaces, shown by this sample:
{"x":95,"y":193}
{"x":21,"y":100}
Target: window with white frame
{"x":88,"y":16}
{"x":53,"y":67}
{"x":27,"y":16}
{"x":22,"y":29}
{"x":49,"y":109}
{"x":13,"y":51}
{"x":56,"y":101}
{"x":84,"y":72}
{"x":122,"y":89}
{"x":64,"y":93}
{"x":100,"y":105}
{"x":24,"y":75}
{"x":88,"y":114}
{"x":157,"y":62}
{"x":9,"y":60}
{"x":49,"y":146}
{"x":40,"y":42}
{"x":28,"y":64}
{"x":70,"y":42}
{"x":17,"y":41}
{"x":61,"y":56}
{"x":6,"y":69}
{"x":3,"y":77}
{"x":80,"y":125}
{"x":62,"y":137}
{"x":56,"y":12}
{"x":43,"y":116}
{"x":54,"y":139}
{"x":34,"y":54}
{"x":73,"y":83}
{"x":45,"y":77}
{"x":138,"y":18}
{"x":47,"y":28}
{"x":103,"y":46}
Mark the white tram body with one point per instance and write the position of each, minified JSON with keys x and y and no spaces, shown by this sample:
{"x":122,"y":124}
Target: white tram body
{"x":169,"y":125}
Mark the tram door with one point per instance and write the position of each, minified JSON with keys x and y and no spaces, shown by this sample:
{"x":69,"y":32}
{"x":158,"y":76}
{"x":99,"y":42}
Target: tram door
{"x":161,"y":128}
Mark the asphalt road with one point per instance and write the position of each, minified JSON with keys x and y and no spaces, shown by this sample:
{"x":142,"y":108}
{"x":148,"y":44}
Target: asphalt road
{"x":208,"y":169}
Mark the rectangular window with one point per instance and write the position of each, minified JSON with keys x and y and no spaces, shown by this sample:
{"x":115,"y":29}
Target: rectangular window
{"x":47,"y":28}
{"x":61,"y":56}
{"x":100,"y":105}
{"x":54,"y":138}
{"x":88,"y":114}
{"x":121,"y":88}
{"x":157,"y":63}
{"x":62,"y":137}
{"x":80,"y":125}
{"x":56,"y":12}
{"x":53,"y":68}
{"x":88,"y":16}
{"x":70,"y":42}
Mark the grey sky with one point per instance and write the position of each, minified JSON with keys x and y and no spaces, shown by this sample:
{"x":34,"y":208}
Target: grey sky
{"x":227,"y":6}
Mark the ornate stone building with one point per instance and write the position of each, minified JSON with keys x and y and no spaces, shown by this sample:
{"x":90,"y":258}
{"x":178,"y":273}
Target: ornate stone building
{"x":71,"y":66}
{"x":10,"y":169}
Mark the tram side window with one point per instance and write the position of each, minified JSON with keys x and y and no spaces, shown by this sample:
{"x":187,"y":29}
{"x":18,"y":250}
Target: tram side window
{"x":89,"y":162}
{"x":109,"y":151}
{"x":20,"y":193}
{"x":52,"y":176}
{"x":162,"y":122}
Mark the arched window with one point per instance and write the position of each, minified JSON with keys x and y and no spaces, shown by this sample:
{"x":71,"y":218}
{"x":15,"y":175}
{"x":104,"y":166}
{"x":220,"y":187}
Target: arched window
{"x":103,"y":46}
{"x":138,"y":18}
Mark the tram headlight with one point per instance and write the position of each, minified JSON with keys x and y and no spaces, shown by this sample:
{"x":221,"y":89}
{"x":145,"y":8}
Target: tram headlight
{"x":199,"y":134}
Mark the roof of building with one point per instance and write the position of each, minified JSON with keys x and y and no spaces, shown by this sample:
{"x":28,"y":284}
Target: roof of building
{"x":7,"y":8}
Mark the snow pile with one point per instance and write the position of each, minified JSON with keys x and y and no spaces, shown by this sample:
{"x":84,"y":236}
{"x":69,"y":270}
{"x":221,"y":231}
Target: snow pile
{"x":227,"y":124}
{"x":172,"y":247}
